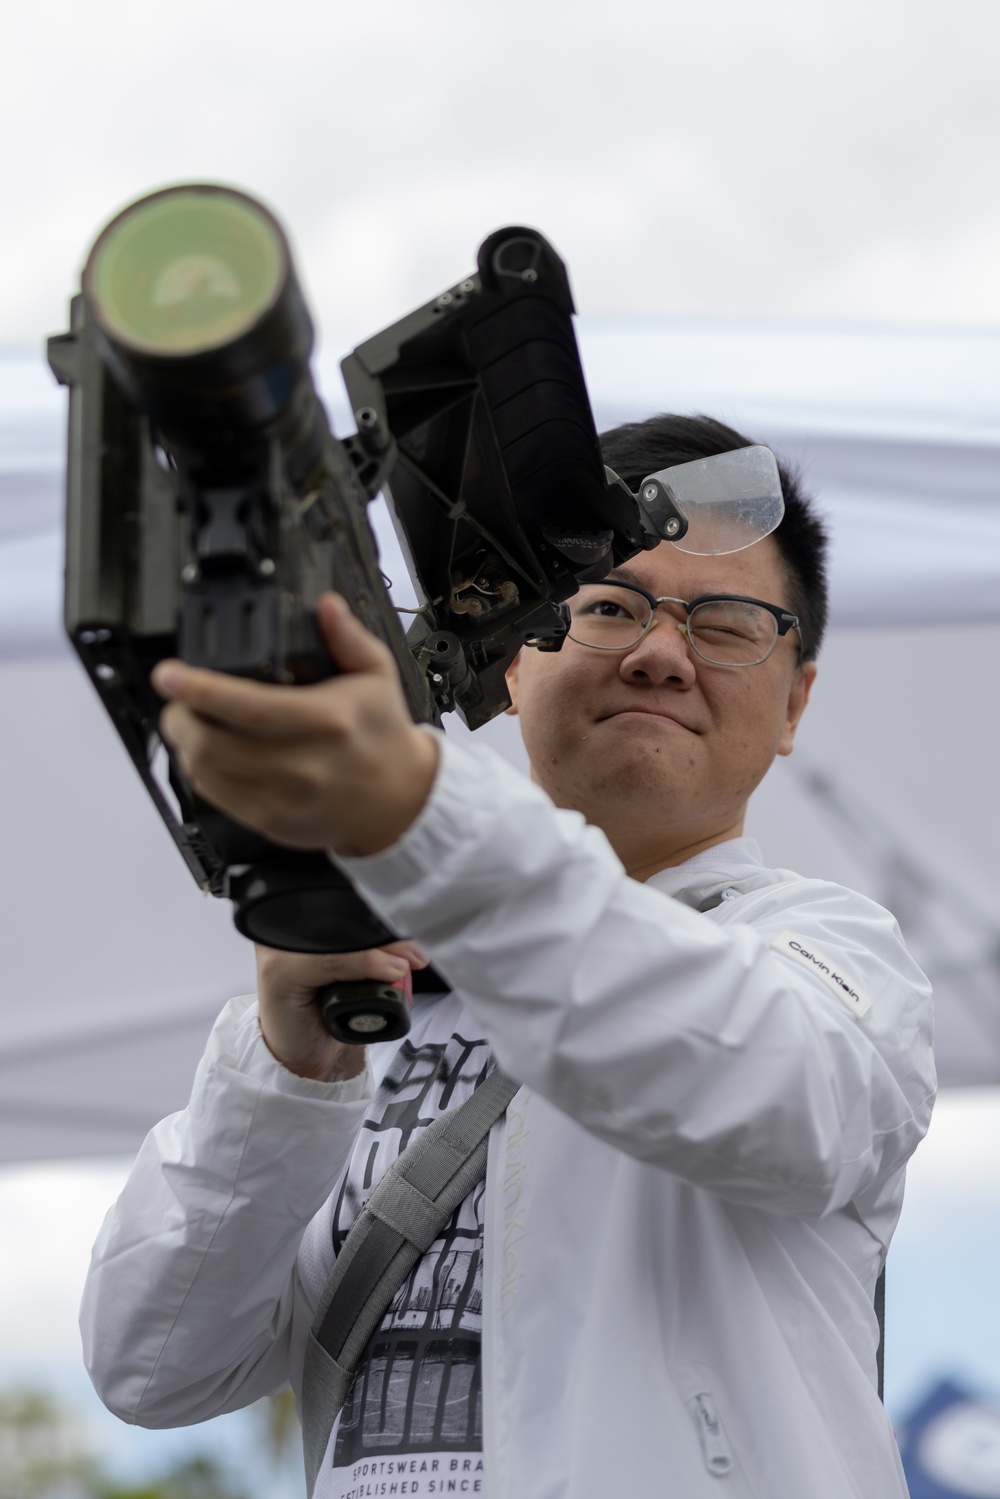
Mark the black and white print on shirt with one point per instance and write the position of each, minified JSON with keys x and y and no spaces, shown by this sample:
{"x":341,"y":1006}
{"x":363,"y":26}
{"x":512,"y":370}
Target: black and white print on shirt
{"x":418,"y":1387}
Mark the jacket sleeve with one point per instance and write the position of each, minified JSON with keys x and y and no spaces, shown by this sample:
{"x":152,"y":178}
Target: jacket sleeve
{"x":193,"y":1305}
{"x":690,"y":1043}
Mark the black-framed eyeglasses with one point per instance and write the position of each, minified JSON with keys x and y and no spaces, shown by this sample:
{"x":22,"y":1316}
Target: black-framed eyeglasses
{"x":726,"y":629}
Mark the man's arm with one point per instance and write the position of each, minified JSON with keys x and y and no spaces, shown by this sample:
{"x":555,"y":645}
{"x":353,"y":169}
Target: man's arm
{"x":193,"y":1305}
{"x":690,"y":1044}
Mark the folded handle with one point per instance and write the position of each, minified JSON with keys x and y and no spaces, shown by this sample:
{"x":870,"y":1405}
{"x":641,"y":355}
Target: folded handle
{"x":359,"y":1011}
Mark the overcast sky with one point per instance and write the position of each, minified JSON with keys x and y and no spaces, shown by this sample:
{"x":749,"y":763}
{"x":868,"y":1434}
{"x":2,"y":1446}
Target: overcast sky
{"x":779,"y":160}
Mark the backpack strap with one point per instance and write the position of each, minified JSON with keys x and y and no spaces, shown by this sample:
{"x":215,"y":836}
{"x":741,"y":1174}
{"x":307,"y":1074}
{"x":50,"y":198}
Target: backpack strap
{"x":400,"y":1221}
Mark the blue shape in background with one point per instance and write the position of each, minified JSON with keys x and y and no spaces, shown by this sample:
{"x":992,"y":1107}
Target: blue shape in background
{"x":943,"y":1397}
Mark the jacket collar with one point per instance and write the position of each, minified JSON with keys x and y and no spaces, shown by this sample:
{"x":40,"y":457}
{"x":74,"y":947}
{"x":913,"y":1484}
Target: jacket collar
{"x":738,"y":859}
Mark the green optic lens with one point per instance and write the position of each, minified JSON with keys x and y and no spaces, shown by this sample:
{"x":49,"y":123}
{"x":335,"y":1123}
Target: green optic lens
{"x":185,"y":270}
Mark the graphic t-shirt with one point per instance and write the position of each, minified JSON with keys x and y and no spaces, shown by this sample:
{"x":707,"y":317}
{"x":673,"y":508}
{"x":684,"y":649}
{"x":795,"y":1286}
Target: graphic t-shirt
{"x":412,"y":1423}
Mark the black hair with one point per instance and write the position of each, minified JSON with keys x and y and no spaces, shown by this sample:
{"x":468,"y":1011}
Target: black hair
{"x":640,"y":448}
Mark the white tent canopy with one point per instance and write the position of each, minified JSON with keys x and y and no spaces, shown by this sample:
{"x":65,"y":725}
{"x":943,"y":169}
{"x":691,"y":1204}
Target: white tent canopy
{"x":115,"y":964}
{"x":898,"y":431}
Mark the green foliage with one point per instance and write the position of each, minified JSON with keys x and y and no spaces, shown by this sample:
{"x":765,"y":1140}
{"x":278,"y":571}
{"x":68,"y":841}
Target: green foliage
{"x":195,"y":1478}
{"x":279,"y":1432}
{"x":44,"y":1454}
{"x":42,"y":1451}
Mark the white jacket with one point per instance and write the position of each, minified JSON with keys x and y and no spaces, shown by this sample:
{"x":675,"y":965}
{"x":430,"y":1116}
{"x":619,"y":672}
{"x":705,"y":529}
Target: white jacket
{"x":688,"y":1203}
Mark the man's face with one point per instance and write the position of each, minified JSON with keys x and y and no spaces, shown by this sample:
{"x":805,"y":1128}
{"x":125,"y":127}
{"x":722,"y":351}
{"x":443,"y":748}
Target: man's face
{"x":654,"y":745}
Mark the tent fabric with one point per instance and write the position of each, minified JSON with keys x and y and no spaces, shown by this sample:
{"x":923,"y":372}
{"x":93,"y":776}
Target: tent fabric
{"x":899,"y":432}
{"x":115,"y":964}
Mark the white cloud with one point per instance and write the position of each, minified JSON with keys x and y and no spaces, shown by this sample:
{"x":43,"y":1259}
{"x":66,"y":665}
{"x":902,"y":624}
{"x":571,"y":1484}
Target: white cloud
{"x":830,"y":160}
{"x":959,"y":1161}
{"x":49,"y":1218}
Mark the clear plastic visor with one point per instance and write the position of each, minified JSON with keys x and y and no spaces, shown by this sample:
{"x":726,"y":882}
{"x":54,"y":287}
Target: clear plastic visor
{"x":729,"y":500}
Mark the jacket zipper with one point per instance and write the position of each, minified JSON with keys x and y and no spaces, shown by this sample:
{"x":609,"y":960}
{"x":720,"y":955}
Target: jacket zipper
{"x":718,"y":1458}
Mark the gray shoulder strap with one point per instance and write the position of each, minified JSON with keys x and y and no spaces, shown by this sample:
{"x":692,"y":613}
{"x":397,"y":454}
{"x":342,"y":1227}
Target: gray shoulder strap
{"x":398,"y":1223}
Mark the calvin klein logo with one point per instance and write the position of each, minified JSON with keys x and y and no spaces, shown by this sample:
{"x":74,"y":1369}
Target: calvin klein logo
{"x":825,"y":968}
{"x":802,"y":951}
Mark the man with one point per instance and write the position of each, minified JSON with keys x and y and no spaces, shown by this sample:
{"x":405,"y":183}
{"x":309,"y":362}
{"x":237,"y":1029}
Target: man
{"x":725,"y":1068}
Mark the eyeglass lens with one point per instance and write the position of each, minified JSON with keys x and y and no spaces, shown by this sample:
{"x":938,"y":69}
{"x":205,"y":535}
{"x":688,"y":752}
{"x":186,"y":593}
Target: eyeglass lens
{"x":723,"y":631}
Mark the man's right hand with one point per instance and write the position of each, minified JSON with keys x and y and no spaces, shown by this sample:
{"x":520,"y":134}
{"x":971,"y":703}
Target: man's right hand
{"x":290,"y":1020}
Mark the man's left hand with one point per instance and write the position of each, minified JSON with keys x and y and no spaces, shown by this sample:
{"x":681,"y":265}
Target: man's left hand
{"x":337,"y":765}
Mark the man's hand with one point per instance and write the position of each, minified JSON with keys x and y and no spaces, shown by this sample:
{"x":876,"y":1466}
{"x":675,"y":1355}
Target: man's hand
{"x":290,"y":1021}
{"x":337,"y":765}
